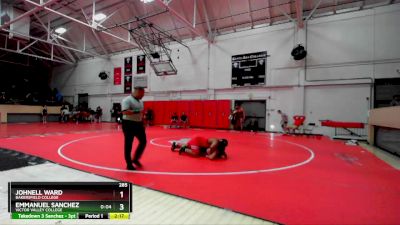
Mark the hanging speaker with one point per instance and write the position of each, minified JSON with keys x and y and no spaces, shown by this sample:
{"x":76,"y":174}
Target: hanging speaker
{"x":103,"y":75}
{"x":299,"y":52}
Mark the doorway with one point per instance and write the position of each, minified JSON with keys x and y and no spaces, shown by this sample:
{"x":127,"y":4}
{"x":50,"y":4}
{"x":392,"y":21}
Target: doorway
{"x":83,"y":101}
{"x":255,"y":114}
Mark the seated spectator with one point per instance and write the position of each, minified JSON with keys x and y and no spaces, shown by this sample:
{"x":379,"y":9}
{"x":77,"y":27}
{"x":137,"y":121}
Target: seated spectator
{"x":298,"y":121}
{"x":395,"y":101}
{"x":174,"y":120}
{"x":184,"y":120}
{"x":75,"y":114}
{"x":85,"y":115}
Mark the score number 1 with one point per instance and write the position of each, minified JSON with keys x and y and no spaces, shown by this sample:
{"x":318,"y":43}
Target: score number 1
{"x":122,"y":185}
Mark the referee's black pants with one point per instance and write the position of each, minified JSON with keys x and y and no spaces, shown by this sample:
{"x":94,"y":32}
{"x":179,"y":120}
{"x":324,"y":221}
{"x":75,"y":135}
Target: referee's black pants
{"x":131,"y":130}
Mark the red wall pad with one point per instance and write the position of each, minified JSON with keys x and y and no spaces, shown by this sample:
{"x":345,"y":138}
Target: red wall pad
{"x":286,"y":179}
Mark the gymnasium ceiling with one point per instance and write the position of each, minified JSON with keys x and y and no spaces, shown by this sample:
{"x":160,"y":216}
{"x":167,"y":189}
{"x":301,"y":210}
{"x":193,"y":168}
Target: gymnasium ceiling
{"x":183,"y":19}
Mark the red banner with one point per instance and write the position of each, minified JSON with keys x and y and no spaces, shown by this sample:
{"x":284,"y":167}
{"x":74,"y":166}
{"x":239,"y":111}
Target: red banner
{"x":127,"y":84}
{"x":117,"y":76}
{"x":128,"y":66}
{"x":141,"y":64}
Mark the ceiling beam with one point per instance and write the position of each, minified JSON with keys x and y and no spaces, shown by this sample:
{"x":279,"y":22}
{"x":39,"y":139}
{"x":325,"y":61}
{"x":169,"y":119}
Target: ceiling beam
{"x":231,"y":16}
{"x":83,"y":23}
{"x":58,"y":20}
{"x":29,"y":45}
{"x":47,"y":29}
{"x":270,"y":12}
{"x":35,"y":56}
{"x":58,"y":38}
{"x":362,"y":5}
{"x":210,"y":33}
{"x":67,"y":52}
{"x":251,"y":16}
{"x":313,"y":10}
{"x":185,"y":14}
{"x":95,"y":34}
{"x":56,"y":57}
{"x":299,"y":14}
{"x":335,"y":2}
{"x":182,"y":19}
{"x":194,"y":13}
{"x":287,"y":15}
{"x":28,"y":13}
{"x":174,"y":23}
{"x":59,"y":45}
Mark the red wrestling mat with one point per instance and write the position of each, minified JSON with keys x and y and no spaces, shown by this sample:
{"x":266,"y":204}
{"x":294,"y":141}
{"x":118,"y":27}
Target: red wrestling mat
{"x":285,"y":179}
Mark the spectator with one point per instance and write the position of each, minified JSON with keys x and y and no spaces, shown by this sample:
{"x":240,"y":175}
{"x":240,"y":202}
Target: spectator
{"x":92,"y":115}
{"x":76,"y":114}
{"x":44,"y":114}
{"x":99,"y":113}
{"x":253,"y":123}
{"x":284,"y":121}
{"x":2,"y":98}
{"x":184,"y":120}
{"x":232,"y":119}
{"x":64,"y":113}
{"x":239,"y":117}
{"x":395,"y":101}
{"x":149,"y":117}
{"x":174,"y":120}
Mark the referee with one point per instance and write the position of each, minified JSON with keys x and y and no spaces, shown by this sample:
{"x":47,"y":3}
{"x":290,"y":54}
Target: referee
{"x":132,"y":126}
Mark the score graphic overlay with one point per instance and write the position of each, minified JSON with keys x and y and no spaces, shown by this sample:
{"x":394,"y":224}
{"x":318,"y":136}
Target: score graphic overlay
{"x":249,"y":69}
{"x":69,"y":200}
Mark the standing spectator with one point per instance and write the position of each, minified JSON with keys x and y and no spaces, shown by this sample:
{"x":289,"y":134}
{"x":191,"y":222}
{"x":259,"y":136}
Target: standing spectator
{"x":253,"y":123}
{"x":92,"y":115}
{"x":2,"y":98}
{"x":239,"y":117}
{"x":116,"y":112}
{"x":99,"y":113}
{"x":232,"y":119}
{"x":132,"y":126}
{"x":284,"y":121}
{"x":44,"y":114}
{"x":64,"y":113}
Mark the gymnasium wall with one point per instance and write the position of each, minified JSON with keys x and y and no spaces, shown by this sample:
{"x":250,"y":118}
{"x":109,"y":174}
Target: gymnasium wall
{"x":345,"y":53}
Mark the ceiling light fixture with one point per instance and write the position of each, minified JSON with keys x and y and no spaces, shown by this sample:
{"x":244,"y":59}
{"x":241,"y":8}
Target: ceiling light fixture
{"x":146,"y":1}
{"x":60,"y":30}
{"x":99,"y":16}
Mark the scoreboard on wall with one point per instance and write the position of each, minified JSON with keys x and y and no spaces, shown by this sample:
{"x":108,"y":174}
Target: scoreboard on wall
{"x":249,"y":69}
{"x":69,"y":200}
